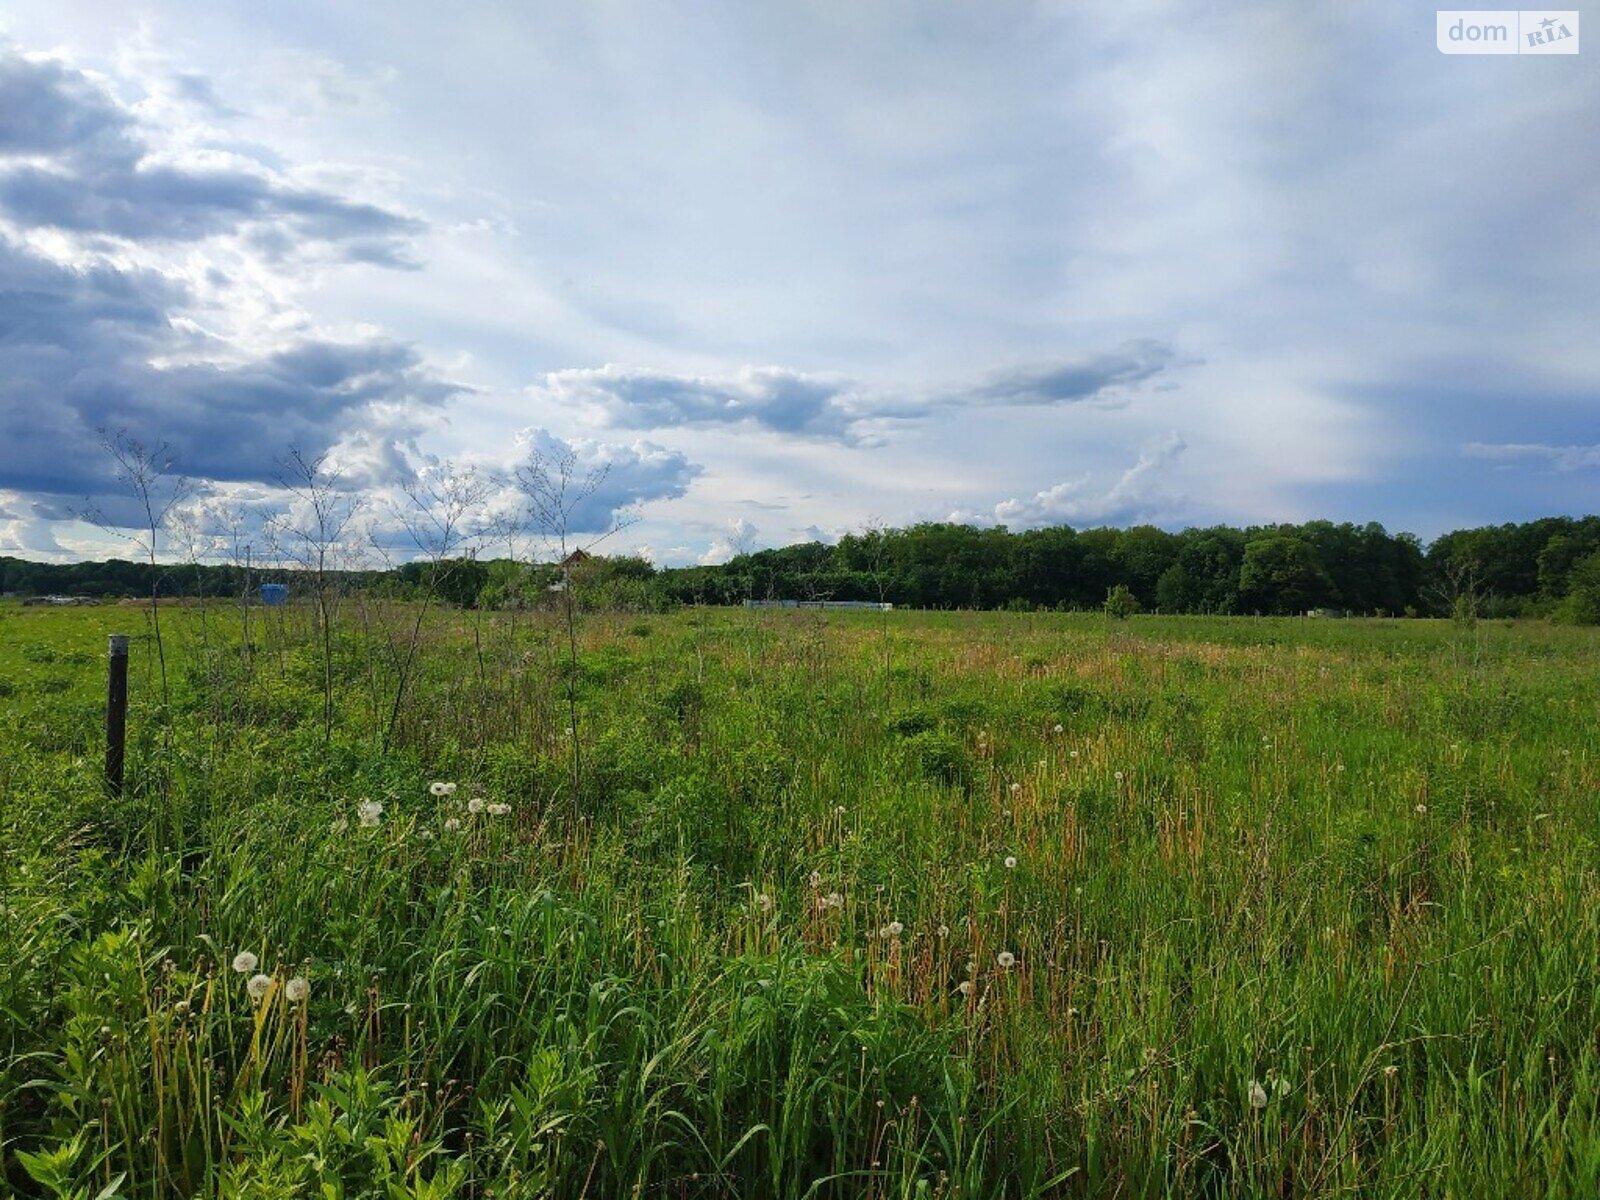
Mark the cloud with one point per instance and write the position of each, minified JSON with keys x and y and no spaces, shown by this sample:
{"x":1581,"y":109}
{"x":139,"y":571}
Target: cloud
{"x":1135,"y":496}
{"x":73,"y":158}
{"x":76,"y":356}
{"x":1561,"y":458}
{"x":1071,"y":381}
{"x":740,"y":538}
{"x":607,"y":480}
{"x":834,"y":408}
{"x":772,"y":398}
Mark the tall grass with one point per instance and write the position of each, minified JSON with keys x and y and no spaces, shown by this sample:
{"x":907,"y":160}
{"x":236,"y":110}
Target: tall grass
{"x":1158,"y":908}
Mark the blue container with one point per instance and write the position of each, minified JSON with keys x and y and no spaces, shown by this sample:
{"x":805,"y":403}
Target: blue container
{"x":274,"y":594}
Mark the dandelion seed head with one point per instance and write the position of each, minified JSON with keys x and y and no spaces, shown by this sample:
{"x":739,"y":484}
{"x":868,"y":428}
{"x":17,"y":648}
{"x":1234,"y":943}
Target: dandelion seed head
{"x":1060,"y":728}
{"x":452,"y":824}
{"x":1006,"y":959}
{"x":244,"y":962}
{"x":297,"y":989}
{"x":440,"y":788}
{"x":816,"y":879}
{"x":370,"y":813}
{"x":764,"y":902}
{"x":259,"y":986}
{"x":477,"y":804}
{"x":1421,"y":810}
{"x":1016,"y":789}
{"x":834,"y":900}
{"x":965,"y":987}
{"x":1258,"y":1094}
{"x":1011,"y":862}
{"x":499,"y":809}
{"x":1119,"y":776}
{"x":896,"y":928}
{"x":944,"y":931}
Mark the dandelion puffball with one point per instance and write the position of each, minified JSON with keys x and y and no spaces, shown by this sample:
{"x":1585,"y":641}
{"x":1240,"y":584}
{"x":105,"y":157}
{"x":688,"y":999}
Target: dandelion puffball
{"x":440,"y":788}
{"x":499,"y":809}
{"x":370,"y":812}
{"x":244,"y":962}
{"x":1060,"y":728}
{"x":1119,"y":776}
{"x":1006,"y":959}
{"x":965,"y":987}
{"x":452,"y":824}
{"x":1258,"y":1095}
{"x":259,"y":986}
{"x":477,"y":804}
{"x":834,"y":900}
{"x":297,"y":989}
{"x":764,"y":902}
{"x":896,"y":928}
{"x":1016,"y":789}
{"x":1011,"y":862}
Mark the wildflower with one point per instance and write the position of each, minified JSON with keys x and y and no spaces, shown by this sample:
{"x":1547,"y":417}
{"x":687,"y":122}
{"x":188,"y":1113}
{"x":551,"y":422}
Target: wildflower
{"x":259,"y":986}
{"x":1011,"y":862}
{"x":1258,"y":1095}
{"x":297,"y":989}
{"x":895,"y":928}
{"x":965,"y":987}
{"x":244,"y":962}
{"x":441,"y":788}
{"x":370,"y":812}
{"x":1060,"y":728}
{"x":1006,"y":959}
{"x":499,"y":809}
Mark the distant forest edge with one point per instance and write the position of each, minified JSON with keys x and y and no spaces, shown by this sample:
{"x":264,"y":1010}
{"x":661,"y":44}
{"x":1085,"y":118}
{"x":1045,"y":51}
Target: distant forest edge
{"x":1549,"y":567}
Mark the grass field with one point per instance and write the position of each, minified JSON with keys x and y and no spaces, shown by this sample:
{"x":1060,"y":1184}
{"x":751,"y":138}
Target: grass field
{"x":858,"y":905}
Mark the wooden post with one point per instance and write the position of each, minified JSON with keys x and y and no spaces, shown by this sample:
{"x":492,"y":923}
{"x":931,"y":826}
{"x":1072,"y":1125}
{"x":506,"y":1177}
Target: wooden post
{"x":116,"y":711}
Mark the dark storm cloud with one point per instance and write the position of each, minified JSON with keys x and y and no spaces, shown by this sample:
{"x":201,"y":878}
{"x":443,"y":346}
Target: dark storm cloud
{"x":72,"y":158}
{"x":75,"y":351}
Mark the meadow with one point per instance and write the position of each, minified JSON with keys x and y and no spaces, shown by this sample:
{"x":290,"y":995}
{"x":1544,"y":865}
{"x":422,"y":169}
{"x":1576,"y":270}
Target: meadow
{"x":722,"y":903}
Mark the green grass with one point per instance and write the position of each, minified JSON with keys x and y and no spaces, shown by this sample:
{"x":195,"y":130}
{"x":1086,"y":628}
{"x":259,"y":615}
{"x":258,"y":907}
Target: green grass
{"x":772,"y":946}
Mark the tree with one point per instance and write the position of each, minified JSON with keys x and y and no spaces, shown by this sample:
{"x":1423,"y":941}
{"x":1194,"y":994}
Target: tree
{"x":1121,"y":603}
{"x":147,"y":475}
{"x":1282,"y":574}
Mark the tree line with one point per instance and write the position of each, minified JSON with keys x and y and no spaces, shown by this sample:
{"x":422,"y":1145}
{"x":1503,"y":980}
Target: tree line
{"x":1546,"y":567}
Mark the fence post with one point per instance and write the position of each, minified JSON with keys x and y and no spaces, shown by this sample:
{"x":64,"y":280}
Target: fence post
{"x":116,"y":711}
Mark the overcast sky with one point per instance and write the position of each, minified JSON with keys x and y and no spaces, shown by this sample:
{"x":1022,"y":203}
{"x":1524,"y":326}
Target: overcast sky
{"x":788,"y":268}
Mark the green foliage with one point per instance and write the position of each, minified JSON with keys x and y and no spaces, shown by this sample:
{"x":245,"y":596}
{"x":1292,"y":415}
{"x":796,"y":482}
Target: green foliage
{"x":1121,"y":602}
{"x":1242,"y":906}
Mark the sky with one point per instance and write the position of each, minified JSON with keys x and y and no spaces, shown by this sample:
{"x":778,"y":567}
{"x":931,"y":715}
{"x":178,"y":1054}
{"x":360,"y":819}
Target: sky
{"x":779,"y":271}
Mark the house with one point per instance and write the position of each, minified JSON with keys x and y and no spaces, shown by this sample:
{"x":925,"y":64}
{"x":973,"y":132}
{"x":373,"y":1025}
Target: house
{"x":567,"y":566}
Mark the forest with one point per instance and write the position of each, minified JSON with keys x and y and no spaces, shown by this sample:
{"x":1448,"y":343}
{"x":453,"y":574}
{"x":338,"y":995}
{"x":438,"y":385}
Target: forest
{"x":1546,"y":567}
